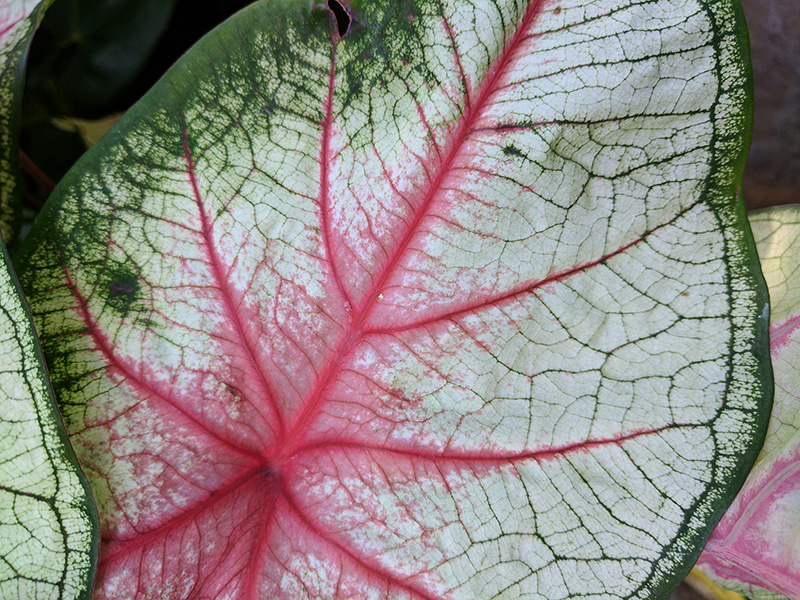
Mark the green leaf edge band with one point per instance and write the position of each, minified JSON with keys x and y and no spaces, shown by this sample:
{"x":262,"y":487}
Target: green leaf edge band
{"x":739,"y":237}
{"x":725,"y":195}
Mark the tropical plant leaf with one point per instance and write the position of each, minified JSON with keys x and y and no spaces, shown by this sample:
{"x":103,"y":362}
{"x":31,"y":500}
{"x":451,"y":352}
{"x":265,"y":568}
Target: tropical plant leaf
{"x":18,"y":20}
{"x":48,"y":547}
{"x":755,"y":550}
{"x":458,"y":305}
{"x":48,"y":524}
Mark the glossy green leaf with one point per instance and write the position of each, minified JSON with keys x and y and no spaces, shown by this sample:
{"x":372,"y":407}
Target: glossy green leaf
{"x":755,"y":550}
{"x":458,"y":305}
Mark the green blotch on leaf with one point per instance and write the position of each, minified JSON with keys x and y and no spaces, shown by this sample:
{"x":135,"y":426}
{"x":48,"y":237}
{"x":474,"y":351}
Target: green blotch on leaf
{"x":510,"y":150}
{"x":123,"y":292}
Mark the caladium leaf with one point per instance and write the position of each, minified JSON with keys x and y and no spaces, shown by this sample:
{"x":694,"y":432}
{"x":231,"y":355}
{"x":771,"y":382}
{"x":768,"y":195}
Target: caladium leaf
{"x":755,"y":550}
{"x":18,"y":20}
{"x":48,"y":524}
{"x":457,"y":305}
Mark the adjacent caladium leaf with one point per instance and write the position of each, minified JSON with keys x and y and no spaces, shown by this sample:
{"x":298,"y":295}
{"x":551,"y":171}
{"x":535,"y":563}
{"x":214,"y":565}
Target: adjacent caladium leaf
{"x":457,"y":305}
{"x":48,"y":524}
{"x":18,"y":20}
{"x":755,"y":550}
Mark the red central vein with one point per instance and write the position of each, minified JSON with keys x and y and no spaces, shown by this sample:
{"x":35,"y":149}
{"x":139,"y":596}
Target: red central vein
{"x":355,"y":331}
{"x":219,"y":276}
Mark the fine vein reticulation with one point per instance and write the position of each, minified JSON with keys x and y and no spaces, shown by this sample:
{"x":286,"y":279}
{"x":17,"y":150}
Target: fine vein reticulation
{"x":48,"y":528}
{"x":47,"y":550}
{"x":458,"y":305}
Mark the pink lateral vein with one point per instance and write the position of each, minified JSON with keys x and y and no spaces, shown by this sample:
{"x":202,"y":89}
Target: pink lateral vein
{"x":511,"y":457}
{"x":457,"y":58}
{"x":341,"y":548}
{"x":526,"y":288}
{"x":261,"y":542}
{"x":779,"y":334}
{"x":135,"y":381}
{"x":125,"y":547}
{"x":324,"y":176}
{"x":216,"y":267}
{"x":9,"y":26}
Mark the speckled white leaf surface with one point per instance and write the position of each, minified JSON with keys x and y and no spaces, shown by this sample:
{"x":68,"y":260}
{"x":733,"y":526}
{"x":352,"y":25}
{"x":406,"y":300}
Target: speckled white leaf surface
{"x":459,"y":305}
{"x":47,"y":521}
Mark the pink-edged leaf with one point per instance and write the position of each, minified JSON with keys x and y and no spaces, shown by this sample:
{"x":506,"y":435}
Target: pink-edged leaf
{"x":457,"y":305}
{"x":755,"y":549}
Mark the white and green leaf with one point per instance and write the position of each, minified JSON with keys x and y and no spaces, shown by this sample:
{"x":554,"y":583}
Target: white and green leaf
{"x":460,"y":304}
{"x":18,"y":21}
{"x":48,"y":524}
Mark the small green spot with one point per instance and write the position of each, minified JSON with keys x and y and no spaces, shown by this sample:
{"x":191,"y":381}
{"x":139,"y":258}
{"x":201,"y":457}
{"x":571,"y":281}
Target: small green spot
{"x":123,"y":291}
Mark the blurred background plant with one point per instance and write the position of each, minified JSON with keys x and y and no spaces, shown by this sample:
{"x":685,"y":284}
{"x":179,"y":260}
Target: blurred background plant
{"x":90,"y":60}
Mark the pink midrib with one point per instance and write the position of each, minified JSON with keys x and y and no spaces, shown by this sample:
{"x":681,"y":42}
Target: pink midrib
{"x":355,"y":331}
